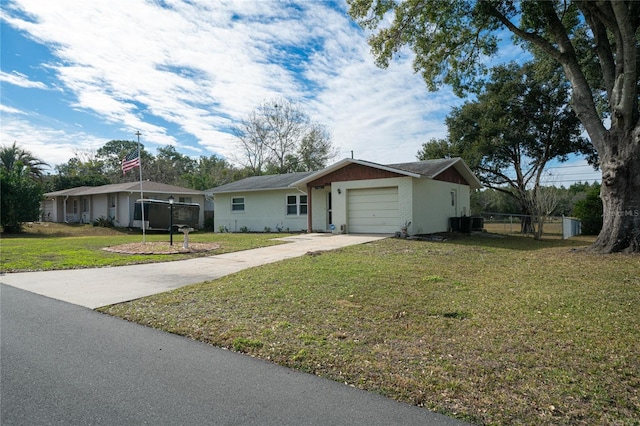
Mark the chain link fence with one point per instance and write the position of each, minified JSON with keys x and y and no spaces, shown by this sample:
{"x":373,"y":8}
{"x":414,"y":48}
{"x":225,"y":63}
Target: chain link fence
{"x":503,"y":223}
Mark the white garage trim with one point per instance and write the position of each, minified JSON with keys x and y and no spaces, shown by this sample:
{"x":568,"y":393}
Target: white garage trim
{"x":373,"y":210}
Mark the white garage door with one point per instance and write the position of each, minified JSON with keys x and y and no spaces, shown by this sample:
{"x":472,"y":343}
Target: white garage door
{"x":373,"y":211}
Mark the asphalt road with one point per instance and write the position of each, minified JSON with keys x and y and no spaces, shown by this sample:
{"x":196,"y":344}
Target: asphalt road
{"x":63,"y":364}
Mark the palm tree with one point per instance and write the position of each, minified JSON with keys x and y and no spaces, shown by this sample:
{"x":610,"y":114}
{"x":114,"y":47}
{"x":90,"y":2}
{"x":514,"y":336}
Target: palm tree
{"x":13,"y":157}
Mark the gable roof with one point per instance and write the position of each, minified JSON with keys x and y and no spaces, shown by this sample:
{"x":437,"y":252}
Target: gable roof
{"x":260,"y":183}
{"x":432,"y":168}
{"x":427,"y":168}
{"x":147,"y":186}
{"x":418,"y":169}
{"x":342,"y":163}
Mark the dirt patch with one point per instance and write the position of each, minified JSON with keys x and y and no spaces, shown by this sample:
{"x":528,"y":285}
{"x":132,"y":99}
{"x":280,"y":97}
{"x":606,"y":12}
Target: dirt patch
{"x":161,"y":248}
{"x":438,"y":236}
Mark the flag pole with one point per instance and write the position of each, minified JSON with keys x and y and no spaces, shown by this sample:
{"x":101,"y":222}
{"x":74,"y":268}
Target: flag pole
{"x":141,"y":193}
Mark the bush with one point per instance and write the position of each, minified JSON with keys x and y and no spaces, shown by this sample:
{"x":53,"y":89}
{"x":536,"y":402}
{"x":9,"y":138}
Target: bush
{"x":103,"y":222}
{"x":19,"y":200}
{"x":589,"y":211}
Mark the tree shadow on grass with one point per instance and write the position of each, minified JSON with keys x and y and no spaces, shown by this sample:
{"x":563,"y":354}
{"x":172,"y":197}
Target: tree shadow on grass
{"x":511,"y":241}
{"x":59,"y":230}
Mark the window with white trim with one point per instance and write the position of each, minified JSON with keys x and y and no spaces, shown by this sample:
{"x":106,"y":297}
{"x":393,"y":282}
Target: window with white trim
{"x":296,"y":205}
{"x":237,"y":204}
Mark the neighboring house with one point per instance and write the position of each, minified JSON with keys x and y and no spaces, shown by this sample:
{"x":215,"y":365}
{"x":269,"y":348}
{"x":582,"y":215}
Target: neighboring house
{"x":350,"y":196}
{"x":87,"y":203}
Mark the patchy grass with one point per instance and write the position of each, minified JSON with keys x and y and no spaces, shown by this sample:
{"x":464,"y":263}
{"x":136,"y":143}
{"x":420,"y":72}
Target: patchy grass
{"x":495,"y":331}
{"x":48,"y":246}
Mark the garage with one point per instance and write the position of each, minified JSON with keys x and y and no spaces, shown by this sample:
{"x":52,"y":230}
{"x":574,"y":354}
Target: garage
{"x":373,"y":210}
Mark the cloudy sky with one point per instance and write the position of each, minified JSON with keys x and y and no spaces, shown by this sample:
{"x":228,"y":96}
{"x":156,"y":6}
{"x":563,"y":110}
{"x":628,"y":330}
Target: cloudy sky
{"x":75,"y":75}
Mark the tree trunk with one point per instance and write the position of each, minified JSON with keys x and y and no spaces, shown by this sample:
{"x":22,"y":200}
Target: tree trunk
{"x":620,"y":194}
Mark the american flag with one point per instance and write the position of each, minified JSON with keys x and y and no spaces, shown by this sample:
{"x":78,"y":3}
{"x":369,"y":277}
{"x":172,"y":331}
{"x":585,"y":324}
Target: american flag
{"x":132,"y":160}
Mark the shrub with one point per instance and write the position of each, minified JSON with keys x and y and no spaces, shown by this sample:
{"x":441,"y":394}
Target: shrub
{"x":589,"y":211}
{"x":20,"y":198}
{"x":103,"y":222}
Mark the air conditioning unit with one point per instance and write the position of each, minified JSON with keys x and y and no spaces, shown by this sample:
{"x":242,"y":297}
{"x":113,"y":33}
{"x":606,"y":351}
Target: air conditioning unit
{"x":343,"y":229}
{"x":86,"y":218}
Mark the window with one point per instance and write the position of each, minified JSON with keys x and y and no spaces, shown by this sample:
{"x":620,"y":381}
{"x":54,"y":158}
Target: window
{"x":184,"y":199}
{"x":112,"y":200}
{"x":303,"y":204}
{"x":237,"y":204}
{"x":292,"y":204}
{"x":296,"y":205}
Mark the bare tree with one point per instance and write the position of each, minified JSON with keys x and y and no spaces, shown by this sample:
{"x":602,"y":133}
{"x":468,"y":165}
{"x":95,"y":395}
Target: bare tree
{"x":278,"y":137}
{"x":543,"y":201}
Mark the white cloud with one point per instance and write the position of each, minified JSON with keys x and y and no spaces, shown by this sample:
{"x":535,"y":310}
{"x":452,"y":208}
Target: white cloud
{"x":198,"y":66}
{"x":51,"y":145}
{"x":10,"y":110}
{"x":21,"y":80}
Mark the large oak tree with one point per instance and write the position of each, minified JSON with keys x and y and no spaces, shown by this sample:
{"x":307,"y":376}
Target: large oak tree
{"x":596,"y":43}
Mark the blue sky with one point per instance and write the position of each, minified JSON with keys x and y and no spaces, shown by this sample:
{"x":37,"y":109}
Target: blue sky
{"x":75,"y":75}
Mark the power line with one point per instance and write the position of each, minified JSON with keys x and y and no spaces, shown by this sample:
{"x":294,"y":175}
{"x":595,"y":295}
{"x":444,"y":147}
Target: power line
{"x":568,"y":167}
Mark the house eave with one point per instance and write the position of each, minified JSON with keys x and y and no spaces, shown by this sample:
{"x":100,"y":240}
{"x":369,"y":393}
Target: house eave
{"x":342,"y":163}
{"x":242,"y":191}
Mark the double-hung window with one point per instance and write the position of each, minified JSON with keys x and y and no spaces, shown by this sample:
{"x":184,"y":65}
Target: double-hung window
{"x":296,"y":205}
{"x":237,"y":204}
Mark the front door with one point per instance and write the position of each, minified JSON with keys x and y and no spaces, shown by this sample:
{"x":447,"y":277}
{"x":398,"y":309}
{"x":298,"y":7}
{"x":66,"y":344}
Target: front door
{"x":454,"y":203}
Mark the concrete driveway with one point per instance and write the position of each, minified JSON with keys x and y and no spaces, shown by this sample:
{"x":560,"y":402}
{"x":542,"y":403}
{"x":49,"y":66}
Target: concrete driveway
{"x":95,"y":287}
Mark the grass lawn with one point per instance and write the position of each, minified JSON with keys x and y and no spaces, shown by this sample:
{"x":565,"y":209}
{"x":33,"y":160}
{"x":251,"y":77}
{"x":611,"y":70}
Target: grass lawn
{"x":491,"y":330}
{"x":48,"y":246}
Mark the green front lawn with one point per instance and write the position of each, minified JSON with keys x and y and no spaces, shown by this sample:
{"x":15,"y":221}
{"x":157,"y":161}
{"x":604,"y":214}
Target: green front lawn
{"x":491,"y":330}
{"x":49,"y":246}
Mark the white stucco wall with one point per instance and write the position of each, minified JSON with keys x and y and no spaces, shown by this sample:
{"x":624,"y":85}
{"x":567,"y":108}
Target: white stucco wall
{"x":432,"y":205}
{"x":262,"y":209}
{"x":124,"y":208}
{"x":99,"y":206}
